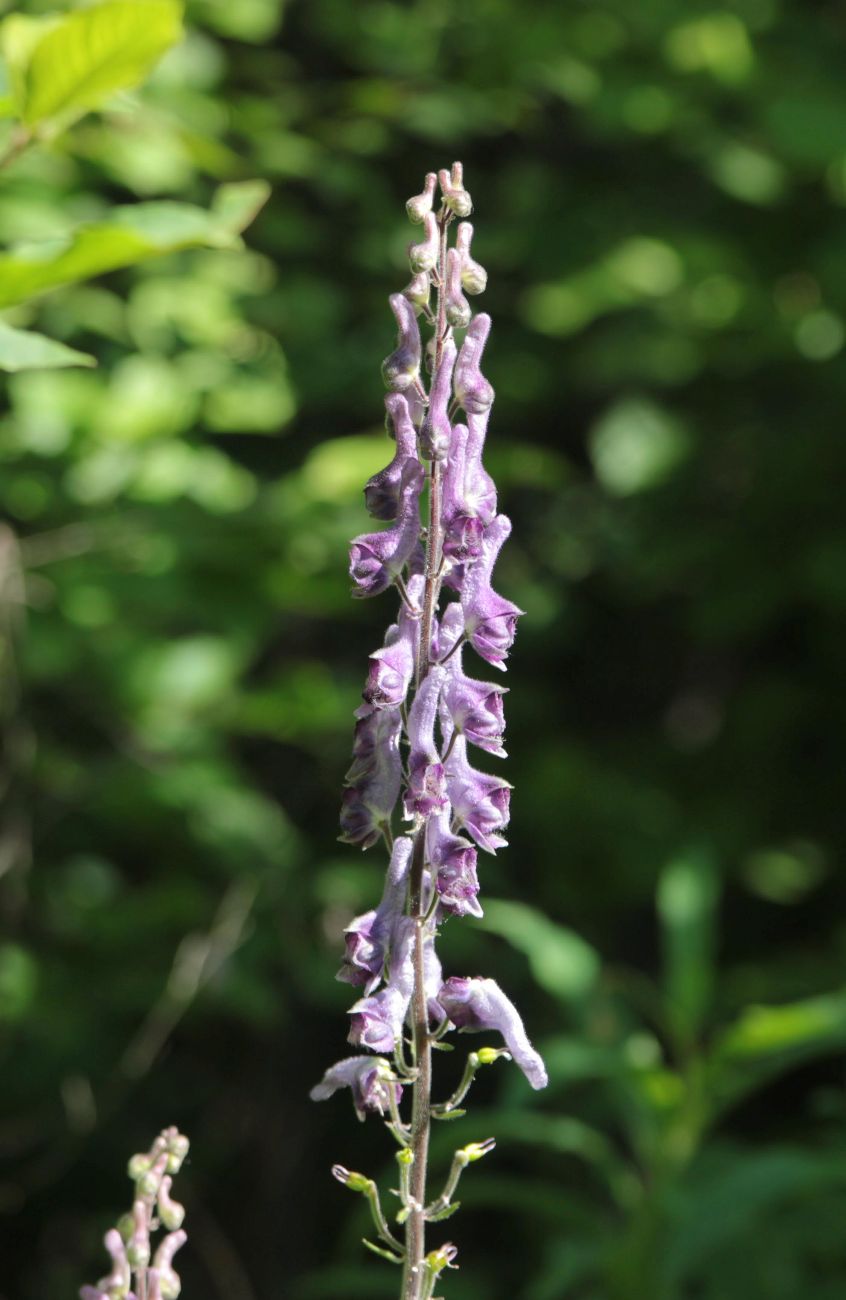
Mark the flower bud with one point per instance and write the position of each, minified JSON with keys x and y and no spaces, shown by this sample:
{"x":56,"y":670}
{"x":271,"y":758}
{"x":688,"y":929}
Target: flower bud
{"x":452,"y":188}
{"x":401,"y":369}
{"x":355,"y":1182}
{"x":148,"y":1184}
{"x":418,"y":291}
{"x":424,"y":256}
{"x":474,"y":278}
{"x":171,"y":1212}
{"x":125,"y":1226}
{"x":458,"y":311}
{"x":177,"y":1148}
{"x":476,"y":1150}
{"x":488,"y":1055}
{"x":420,"y":205}
{"x":137,"y":1166}
{"x":438,"y":1260}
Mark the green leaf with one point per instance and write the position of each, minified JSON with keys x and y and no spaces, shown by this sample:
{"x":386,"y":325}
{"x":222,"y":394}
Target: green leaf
{"x":561,"y":961}
{"x":62,"y":68}
{"x":26,"y":350}
{"x":766,"y":1041}
{"x":129,"y":235}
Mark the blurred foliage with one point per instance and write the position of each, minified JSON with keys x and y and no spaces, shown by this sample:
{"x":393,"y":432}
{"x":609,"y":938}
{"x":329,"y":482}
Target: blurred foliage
{"x":660,"y":193}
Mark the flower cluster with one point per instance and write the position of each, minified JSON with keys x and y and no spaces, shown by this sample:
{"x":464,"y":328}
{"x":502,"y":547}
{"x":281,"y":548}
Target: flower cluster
{"x":137,"y":1270}
{"x":421,"y":710}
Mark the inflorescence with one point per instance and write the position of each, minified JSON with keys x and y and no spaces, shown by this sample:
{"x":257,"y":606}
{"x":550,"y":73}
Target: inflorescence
{"x":419,"y":712}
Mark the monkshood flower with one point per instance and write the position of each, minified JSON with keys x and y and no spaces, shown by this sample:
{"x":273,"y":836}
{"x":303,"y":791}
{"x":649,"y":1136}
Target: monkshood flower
{"x":401,"y":370}
{"x":377,"y":1020}
{"x":418,"y":694}
{"x":473,"y":708}
{"x":473,"y":392}
{"x":370,"y":1080}
{"x":453,"y":860}
{"x":392,"y":666}
{"x":474,"y":1004}
{"x":490,"y":620}
{"x":426,"y":790}
{"x":474,"y":278}
{"x":435,"y":431}
{"x":480,"y":803}
{"x":369,"y":936}
{"x":377,"y":559}
{"x":382,"y":491}
{"x":373,"y":781}
{"x":135,"y":1270}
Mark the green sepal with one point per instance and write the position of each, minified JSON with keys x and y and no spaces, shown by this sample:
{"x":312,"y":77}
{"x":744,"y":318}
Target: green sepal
{"x":448,"y":1114}
{"x":378,"y":1250}
{"x":446,"y":1213}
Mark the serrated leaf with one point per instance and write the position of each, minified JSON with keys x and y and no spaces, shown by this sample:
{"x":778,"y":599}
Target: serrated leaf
{"x":26,"y":350}
{"x":66,"y":67}
{"x":129,"y":235}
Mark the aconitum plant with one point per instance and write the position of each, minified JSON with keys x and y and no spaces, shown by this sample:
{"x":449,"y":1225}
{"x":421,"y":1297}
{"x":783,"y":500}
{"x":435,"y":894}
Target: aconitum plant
{"x":420,"y":712}
{"x":141,"y":1268}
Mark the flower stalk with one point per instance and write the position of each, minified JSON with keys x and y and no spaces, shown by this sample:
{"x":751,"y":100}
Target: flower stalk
{"x":438,"y":553}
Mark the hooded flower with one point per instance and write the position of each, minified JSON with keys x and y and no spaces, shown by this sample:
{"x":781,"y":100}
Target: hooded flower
{"x":377,"y":1020}
{"x":368,"y":937}
{"x":435,"y":431}
{"x":369,"y":1078}
{"x":392,"y":667}
{"x":472,"y":390}
{"x":426,"y":789}
{"x":401,"y":370}
{"x":473,"y":708}
{"x":373,"y":781}
{"x":480,"y":803}
{"x":479,"y":487}
{"x":489,"y":619}
{"x":377,"y":558}
{"x":478,"y":1004}
{"x":453,"y":863}
{"x":382,"y":491}
{"x":462,"y":528}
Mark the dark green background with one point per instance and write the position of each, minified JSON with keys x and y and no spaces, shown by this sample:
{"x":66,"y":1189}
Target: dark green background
{"x":660,"y":193}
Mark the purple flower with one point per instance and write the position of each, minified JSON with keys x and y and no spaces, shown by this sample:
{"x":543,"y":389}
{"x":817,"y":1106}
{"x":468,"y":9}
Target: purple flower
{"x":472,"y":390}
{"x":369,"y":1078}
{"x":377,"y":558}
{"x":377,"y":1020}
{"x":457,"y":307}
{"x":401,"y":370}
{"x":435,"y":432}
{"x":489,"y":619}
{"x":373,"y":781}
{"x":392,"y":667}
{"x":462,"y":528}
{"x":477,"y":1004}
{"x":480,"y":803}
{"x":368,"y":937}
{"x":453,"y":862}
{"x":479,"y":487}
{"x":426,"y":789}
{"x":473,"y":708}
{"x":382,"y":491}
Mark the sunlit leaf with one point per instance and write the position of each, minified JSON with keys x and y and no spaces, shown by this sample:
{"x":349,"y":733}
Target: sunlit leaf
{"x":26,"y":350}
{"x":561,"y":961}
{"x":129,"y":235}
{"x":687,"y":901}
{"x":64,"y":67}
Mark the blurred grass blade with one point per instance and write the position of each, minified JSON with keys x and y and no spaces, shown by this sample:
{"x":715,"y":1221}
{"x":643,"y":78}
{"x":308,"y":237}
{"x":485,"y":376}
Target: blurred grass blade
{"x":766,"y":1041}
{"x":561,"y":961}
{"x":26,"y":350}
{"x":688,"y":894}
{"x":61,"y":68}
{"x":129,"y":235}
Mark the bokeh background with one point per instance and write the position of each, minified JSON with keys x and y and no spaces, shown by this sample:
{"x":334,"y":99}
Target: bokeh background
{"x":660,"y":194}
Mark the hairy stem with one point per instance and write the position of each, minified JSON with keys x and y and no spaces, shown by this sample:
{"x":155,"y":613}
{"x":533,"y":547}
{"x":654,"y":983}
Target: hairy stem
{"x":414,"y":1273}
